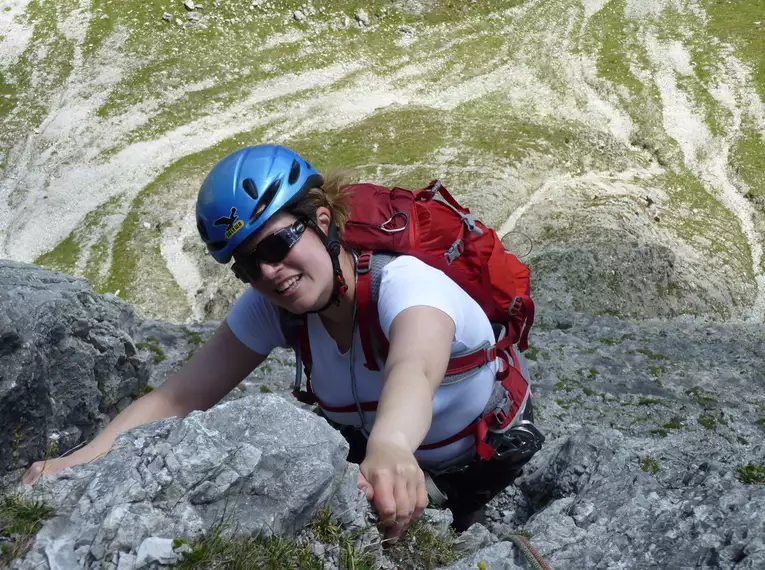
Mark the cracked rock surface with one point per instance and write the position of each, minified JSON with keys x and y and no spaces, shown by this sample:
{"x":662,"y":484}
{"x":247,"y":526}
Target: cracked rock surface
{"x":259,"y":463}
{"x":68,"y":362}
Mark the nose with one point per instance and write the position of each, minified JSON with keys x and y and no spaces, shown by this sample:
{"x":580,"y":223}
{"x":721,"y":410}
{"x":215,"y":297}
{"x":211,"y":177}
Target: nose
{"x":269,"y":270}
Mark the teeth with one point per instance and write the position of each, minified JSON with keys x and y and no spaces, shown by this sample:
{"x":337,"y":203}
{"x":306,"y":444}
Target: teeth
{"x":284,"y":286}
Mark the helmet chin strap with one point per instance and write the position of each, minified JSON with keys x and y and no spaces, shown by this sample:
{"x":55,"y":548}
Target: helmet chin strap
{"x":334,"y":247}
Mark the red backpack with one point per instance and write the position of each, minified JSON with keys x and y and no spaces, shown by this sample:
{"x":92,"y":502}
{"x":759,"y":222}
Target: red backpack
{"x":446,"y":236}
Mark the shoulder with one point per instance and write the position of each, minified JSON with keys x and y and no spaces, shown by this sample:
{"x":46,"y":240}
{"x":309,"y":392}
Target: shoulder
{"x":406,"y":270}
{"x":254,"y":317}
{"x":408,"y":282}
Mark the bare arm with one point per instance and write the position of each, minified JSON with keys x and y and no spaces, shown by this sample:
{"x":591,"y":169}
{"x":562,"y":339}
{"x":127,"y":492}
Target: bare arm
{"x":420,"y":347}
{"x":217,"y":367}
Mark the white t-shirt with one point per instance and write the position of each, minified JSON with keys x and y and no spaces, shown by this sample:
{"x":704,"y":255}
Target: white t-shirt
{"x":406,"y":282}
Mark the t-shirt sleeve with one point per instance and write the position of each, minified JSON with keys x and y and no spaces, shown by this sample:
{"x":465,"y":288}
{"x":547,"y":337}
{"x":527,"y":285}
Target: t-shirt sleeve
{"x":408,"y":282}
{"x":255,"y":322}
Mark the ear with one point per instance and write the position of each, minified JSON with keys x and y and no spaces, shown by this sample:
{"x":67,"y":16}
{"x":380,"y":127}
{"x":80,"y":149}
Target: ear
{"x":323,"y":217}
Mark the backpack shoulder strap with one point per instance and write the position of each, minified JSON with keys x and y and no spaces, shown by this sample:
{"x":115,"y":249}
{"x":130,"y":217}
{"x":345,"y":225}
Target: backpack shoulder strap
{"x":373,"y":342}
{"x":295,"y":331}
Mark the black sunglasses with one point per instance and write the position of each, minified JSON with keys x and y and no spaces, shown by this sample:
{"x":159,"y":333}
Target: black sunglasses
{"x":271,"y":249}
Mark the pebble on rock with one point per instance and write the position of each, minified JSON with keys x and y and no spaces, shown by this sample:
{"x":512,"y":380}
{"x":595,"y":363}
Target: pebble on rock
{"x":362,"y":17}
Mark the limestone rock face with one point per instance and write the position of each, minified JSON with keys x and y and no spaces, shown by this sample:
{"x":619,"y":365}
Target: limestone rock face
{"x":257,"y":464}
{"x":599,"y":509}
{"x":67,"y":362}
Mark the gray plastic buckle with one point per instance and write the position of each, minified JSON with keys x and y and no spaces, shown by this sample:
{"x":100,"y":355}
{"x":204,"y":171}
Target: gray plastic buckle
{"x":454,"y":251}
{"x":469,"y":220}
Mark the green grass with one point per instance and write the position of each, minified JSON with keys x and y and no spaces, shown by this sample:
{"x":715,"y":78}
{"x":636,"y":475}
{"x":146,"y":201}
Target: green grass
{"x":752,"y":474}
{"x":675,"y":422}
{"x":20,"y":521}
{"x":703,"y":398}
{"x":748,"y":161}
{"x":532,"y":353}
{"x":614,"y":341}
{"x":734,"y":22}
{"x":63,"y":257}
{"x":159,"y":354}
{"x":27,"y":90}
{"x":649,"y":465}
{"x":708,"y":421}
{"x":193,"y":337}
{"x":222,"y":547}
{"x":422,"y":548}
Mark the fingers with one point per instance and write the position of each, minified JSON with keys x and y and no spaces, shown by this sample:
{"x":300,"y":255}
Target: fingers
{"x":385,"y":498}
{"x":421,"y":501}
{"x":366,"y":486}
{"x":33,"y":473}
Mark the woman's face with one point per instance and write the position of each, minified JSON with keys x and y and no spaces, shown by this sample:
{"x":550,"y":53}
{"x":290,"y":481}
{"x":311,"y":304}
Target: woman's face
{"x":302,"y":281}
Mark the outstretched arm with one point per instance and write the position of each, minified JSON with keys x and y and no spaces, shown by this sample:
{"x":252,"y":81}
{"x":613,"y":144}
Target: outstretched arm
{"x":217,"y":367}
{"x":420,"y":347}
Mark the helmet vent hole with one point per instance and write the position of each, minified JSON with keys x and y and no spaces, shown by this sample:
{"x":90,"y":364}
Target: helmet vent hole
{"x":265,"y":201}
{"x":294,"y":172}
{"x":250,"y":188}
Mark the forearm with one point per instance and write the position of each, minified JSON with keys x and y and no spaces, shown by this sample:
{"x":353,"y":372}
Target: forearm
{"x":405,"y":410}
{"x":153,"y":406}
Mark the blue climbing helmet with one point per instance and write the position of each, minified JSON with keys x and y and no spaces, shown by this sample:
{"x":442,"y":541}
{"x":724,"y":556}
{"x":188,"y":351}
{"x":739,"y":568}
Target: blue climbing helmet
{"x":246,"y":188}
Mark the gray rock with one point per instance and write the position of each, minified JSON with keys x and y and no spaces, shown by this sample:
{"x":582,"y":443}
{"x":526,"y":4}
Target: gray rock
{"x":155,"y":549}
{"x":259,"y":464}
{"x":67,"y":362}
{"x":414,"y":6}
{"x":166,"y":347}
{"x":406,"y":29}
{"x":474,"y":539}
{"x":298,"y":15}
{"x":189,"y":5}
{"x":439,"y":521}
{"x":193,"y":16}
{"x":362,"y":17}
{"x":126,"y":561}
{"x":167,"y":17}
{"x":597,"y":508}
{"x":500,"y":556}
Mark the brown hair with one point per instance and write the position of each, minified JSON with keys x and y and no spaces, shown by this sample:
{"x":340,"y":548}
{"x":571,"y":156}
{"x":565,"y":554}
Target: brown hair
{"x":331,"y":195}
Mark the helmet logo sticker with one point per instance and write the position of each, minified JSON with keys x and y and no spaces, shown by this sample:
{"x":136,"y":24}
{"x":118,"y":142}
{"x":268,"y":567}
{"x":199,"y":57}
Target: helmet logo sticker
{"x":233,"y":223}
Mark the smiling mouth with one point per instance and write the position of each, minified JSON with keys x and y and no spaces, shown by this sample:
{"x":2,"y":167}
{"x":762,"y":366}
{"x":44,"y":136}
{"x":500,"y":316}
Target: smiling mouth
{"x":288,"y":284}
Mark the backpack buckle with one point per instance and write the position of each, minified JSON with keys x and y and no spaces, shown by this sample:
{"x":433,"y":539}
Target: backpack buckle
{"x":469,"y":221}
{"x":454,"y":251}
{"x":364,"y":263}
{"x":515,"y":307}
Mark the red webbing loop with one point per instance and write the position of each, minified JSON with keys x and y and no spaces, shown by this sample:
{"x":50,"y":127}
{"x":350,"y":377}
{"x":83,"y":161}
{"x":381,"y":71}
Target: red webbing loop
{"x":477,"y":359}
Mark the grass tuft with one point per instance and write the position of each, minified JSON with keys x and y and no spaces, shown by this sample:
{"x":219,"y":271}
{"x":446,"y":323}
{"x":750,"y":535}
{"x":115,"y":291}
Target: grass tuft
{"x":752,"y":474}
{"x":423,"y":548}
{"x":159,"y":354}
{"x":649,"y":465}
{"x":20,"y":521}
